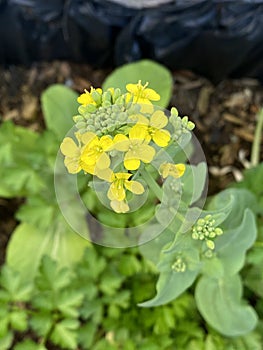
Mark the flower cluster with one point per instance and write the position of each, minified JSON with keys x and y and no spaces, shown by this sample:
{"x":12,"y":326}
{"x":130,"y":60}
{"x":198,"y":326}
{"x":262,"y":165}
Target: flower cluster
{"x":117,"y":136}
{"x":205,"y":230}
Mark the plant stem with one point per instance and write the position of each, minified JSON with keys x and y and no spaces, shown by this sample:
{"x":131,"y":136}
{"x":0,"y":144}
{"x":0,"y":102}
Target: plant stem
{"x":152,"y":184}
{"x":255,"y":152}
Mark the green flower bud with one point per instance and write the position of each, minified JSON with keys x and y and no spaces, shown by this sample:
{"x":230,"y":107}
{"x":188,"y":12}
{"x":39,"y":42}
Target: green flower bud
{"x":90,"y":108}
{"x":210,"y":244}
{"x":96,"y":97}
{"x":78,"y":118}
{"x":218,"y":231}
{"x":116,"y":94}
{"x":81,"y":125}
{"x":179,"y":265}
{"x":174,"y":112}
{"x":107,"y":96}
{"x":106,"y":103}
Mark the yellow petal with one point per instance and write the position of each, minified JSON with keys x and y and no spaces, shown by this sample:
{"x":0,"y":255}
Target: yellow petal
{"x":143,"y":101}
{"x":131,"y":164}
{"x":90,"y":169}
{"x":72,"y":165}
{"x":85,"y":99}
{"x":104,"y":174}
{"x":174,"y":170}
{"x":106,"y":142}
{"x":121,"y":143}
{"x":116,"y":192}
{"x":158,"y":120}
{"x":148,"y":108}
{"x":134,"y":186}
{"x":161,"y":137}
{"x":142,"y":120}
{"x":151,"y":94}
{"x":103,"y":161}
{"x":87,"y":137}
{"x":132,"y":88}
{"x":69,"y":148}
{"x":119,"y":206}
{"x":138,"y":132}
{"x":122,"y":176}
{"x":146,"y":153}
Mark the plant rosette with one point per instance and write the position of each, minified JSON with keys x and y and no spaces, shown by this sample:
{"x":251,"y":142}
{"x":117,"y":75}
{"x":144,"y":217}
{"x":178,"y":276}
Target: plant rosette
{"x":133,"y":155}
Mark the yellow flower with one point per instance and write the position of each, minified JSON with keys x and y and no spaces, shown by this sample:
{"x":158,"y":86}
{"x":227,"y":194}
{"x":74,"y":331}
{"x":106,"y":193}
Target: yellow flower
{"x":94,"y":157}
{"x":169,"y":169}
{"x":72,"y":153}
{"x":141,"y":94}
{"x":119,"y":183}
{"x":154,"y":127}
{"x":119,"y":206}
{"x":136,"y":147}
{"x":86,"y":98}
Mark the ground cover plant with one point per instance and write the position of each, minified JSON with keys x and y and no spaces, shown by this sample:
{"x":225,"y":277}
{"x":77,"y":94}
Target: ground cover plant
{"x":58,"y":289}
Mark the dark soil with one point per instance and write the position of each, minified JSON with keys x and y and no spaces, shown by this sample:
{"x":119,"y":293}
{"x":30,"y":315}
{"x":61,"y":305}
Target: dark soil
{"x":225,"y":116}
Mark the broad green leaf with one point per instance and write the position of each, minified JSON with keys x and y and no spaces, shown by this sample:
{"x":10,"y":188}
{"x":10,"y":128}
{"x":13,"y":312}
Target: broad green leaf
{"x":69,"y":302}
{"x":59,"y":104}
{"x":6,"y":341}
{"x":242,"y":199}
{"x":152,"y":249}
{"x":253,"y":182}
{"x":231,"y":247}
{"x":18,"y":320}
{"x":41,"y":322}
{"x":29,"y":244}
{"x":194,"y":182}
{"x":86,"y":335}
{"x":172,"y":283}
{"x":65,"y":334}
{"x":219,"y":301}
{"x":158,"y":77}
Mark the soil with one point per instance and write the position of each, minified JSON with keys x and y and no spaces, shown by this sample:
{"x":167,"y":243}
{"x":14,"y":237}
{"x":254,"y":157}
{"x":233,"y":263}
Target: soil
{"x":224,"y":114}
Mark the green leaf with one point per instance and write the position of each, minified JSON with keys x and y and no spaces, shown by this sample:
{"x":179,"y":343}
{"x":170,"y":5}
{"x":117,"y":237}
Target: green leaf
{"x":159,"y":78}
{"x":69,"y":302}
{"x":231,"y":247}
{"x":6,"y":341}
{"x":41,"y":322}
{"x":253,"y":182}
{"x":59,"y":104}
{"x":65,"y":334}
{"x":18,"y":320}
{"x":12,"y":282}
{"x":242,"y":199}
{"x":29,"y":345}
{"x":86,"y":335}
{"x":171,"y":282}
{"x":194,"y":181}
{"x":219,"y":301}
{"x":20,"y":160}
{"x":29,"y":244}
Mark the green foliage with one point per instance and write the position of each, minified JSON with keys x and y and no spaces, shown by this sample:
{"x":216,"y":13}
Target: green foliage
{"x":59,"y":104}
{"x":159,"y":78}
{"x":92,"y":305}
{"x":57,"y":290}
{"x":218,"y":291}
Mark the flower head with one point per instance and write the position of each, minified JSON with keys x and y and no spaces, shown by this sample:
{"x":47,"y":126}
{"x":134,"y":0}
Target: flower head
{"x":136,"y":147}
{"x":174,"y":170}
{"x":154,"y":128}
{"x":87,"y":98}
{"x":94,"y":154}
{"x":141,"y":94}
{"x":72,"y":153}
{"x":119,"y":183}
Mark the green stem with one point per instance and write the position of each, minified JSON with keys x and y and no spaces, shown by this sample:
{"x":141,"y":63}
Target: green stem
{"x":152,"y":184}
{"x":255,"y":152}
{"x":156,"y":189}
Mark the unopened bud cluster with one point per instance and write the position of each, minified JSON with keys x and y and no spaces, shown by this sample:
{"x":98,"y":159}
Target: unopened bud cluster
{"x":180,"y":125}
{"x":109,"y":112}
{"x":205,"y":230}
{"x":179,"y":265}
